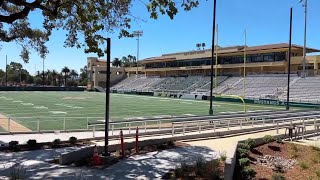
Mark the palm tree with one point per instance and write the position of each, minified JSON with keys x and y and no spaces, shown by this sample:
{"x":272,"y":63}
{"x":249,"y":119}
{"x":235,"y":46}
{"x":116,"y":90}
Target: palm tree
{"x":198,"y":45}
{"x":117,"y":62}
{"x":54,"y":74}
{"x":48,"y":75}
{"x":66,"y":72}
{"x":59,"y":77}
{"x":73,"y":74}
{"x":203,"y":45}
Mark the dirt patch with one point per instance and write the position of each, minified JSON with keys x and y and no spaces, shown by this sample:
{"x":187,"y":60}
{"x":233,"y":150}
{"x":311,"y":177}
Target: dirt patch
{"x":14,"y":126}
{"x":74,"y":98}
{"x":307,"y":158}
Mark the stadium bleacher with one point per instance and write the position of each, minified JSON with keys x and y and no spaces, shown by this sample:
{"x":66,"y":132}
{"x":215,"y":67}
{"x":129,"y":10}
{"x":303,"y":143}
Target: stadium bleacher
{"x":257,"y":86}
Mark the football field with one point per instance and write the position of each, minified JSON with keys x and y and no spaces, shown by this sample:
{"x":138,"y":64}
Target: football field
{"x":72,"y":110}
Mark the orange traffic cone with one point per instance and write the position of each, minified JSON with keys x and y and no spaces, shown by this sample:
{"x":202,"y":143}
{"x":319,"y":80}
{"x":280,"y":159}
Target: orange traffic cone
{"x":96,"y":158}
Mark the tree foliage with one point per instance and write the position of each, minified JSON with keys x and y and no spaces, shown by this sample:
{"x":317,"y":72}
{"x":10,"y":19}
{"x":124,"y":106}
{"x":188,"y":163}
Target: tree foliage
{"x":90,"y":19}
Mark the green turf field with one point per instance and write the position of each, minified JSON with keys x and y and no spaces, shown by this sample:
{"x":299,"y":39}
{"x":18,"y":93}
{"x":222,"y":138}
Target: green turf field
{"x":50,"y":108}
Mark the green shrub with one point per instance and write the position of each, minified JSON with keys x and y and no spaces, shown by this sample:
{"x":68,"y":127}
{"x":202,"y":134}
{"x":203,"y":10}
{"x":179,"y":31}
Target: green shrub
{"x":215,"y":172}
{"x":278,"y":176}
{"x":32,"y":143}
{"x":244,"y":146}
{"x":279,"y":140}
{"x":243,"y":152}
{"x":294,"y":147}
{"x":223,"y":156}
{"x":318,"y":173}
{"x":303,"y":165}
{"x":56,"y":142}
{"x":244,"y":162}
{"x":73,"y":140}
{"x":251,"y":143}
{"x":268,"y":138}
{"x":315,"y":147}
{"x":248,"y":172}
{"x":295,"y":155}
{"x":17,"y":172}
{"x":278,"y":168}
{"x":200,"y":166}
{"x":14,"y":145}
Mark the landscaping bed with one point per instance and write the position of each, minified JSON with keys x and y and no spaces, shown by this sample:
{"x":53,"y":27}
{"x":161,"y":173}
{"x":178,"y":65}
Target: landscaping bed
{"x":277,"y":160}
{"x":202,"y":170}
{"x":32,"y":144}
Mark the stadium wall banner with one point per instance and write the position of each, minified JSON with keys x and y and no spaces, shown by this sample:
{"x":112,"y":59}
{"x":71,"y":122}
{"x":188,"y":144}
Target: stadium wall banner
{"x":265,"y":102}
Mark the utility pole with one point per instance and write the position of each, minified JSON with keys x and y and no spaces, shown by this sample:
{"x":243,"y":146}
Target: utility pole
{"x":212,"y":54}
{"x":138,"y":34}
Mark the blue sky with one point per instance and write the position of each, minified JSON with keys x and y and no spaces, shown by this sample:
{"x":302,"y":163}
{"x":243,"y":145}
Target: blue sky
{"x":266,"y":21}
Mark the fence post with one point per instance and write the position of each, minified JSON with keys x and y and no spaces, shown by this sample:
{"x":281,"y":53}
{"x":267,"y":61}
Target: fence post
{"x":94,"y":131}
{"x":241,"y":123}
{"x":277,"y":127}
{"x":199,"y":127}
{"x":263,"y":121}
{"x":228,"y":124}
{"x":214,"y":126}
{"x":172,"y":129}
{"x":137,"y":141}
{"x":145,"y":126}
{"x":87,"y":122}
{"x":112,"y":128}
{"x":184,"y":128}
{"x":122,"y":144}
{"x":38,"y":125}
{"x":252,"y":122}
{"x":129,"y":128}
{"x":159,"y":125}
{"x":9,"y":129}
{"x":64,"y":123}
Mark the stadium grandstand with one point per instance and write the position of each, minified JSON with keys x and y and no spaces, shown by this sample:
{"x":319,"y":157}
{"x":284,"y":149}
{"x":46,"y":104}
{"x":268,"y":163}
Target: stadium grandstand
{"x":184,"y":73}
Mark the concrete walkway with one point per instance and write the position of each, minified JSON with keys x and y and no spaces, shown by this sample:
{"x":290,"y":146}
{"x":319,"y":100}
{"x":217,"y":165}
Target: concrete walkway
{"x":152,"y":165}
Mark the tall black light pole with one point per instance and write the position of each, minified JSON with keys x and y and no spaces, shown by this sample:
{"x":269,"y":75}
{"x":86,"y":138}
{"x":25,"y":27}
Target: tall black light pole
{"x":212,"y":54}
{"x":6,"y":70}
{"x":289,"y":61}
{"x":106,"y":130}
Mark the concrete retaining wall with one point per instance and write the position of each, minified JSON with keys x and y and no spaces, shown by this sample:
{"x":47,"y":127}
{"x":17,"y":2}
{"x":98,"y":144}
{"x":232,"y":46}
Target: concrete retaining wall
{"x":70,"y":157}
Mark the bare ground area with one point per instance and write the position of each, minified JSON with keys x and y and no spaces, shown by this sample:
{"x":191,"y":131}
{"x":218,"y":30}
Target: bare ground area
{"x":14,"y":126}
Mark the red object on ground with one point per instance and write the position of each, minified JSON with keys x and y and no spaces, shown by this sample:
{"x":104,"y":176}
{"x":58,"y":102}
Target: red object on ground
{"x":96,"y":158}
{"x":122,"y":144}
{"x":137,"y":140}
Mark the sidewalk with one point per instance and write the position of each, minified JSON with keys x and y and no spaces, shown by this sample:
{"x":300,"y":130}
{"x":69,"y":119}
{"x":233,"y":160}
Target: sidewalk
{"x":152,"y":165}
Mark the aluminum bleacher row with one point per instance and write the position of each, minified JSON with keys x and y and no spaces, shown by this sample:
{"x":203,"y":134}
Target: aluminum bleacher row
{"x":257,"y":86}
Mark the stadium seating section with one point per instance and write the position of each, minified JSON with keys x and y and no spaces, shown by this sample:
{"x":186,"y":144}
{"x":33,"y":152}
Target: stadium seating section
{"x":256,"y":86}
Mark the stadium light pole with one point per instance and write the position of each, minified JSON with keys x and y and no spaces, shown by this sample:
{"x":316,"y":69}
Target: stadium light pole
{"x":216,"y":65}
{"x":107,"y":114}
{"x":212,"y":54}
{"x":244,"y":63}
{"x":138,"y":34}
{"x":289,"y":61}
{"x":43,"y":72}
{"x":303,"y":75}
{"x":6,"y":70}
